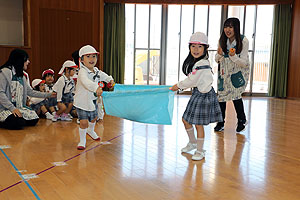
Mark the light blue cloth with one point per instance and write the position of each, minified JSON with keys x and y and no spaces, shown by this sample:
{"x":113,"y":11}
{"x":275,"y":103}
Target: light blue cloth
{"x":151,"y":104}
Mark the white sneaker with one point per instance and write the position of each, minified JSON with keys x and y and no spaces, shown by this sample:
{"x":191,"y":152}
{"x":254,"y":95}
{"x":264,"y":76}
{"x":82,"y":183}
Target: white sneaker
{"x":93,"y":135}
{"x":198,"y":155}
{"x":78,"y":121}
{"x":55,"y":117}
{"x":71,"y":117}
{"x":81,"y":146}
{"x":49,"y":116}
{"x":189,"y":147}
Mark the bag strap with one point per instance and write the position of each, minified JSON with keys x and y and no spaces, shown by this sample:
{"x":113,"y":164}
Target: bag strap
{"x":203,"y":67}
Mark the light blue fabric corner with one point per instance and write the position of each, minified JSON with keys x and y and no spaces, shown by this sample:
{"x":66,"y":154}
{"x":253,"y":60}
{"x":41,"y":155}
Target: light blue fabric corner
{"x":151,"y":104}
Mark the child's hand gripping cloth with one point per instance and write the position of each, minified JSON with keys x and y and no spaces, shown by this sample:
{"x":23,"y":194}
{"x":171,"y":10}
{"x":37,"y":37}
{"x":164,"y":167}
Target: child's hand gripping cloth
{"x":142,"y":103}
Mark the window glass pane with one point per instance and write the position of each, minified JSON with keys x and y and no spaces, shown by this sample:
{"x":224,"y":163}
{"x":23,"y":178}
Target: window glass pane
{"x":262,"y":48}
{"x":238,"y":12}
{"x":155,"y":26}
{"x":201,"y":19}
{"x":11,"y":22}
{"x":129,"y":18}
{"x":186,"y":32}
{"x":141,"y":69}
{"x":154,"y":67}
{"x":249,"y":25}
{"x":173,"y":44}
{"x":250,"y":54}
{"x":214,"y":66}
{"x":214,"y":26}
{"x":142,"y":25}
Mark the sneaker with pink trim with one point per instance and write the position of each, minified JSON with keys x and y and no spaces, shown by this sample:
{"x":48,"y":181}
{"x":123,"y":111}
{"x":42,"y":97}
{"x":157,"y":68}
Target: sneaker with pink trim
{"x":55,"y":117}
{"x":65,"y":117}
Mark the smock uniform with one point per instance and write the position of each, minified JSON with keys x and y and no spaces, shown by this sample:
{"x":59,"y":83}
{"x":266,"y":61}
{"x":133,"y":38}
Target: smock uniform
{"x":203,"y":107}
{"x":233,"y":72}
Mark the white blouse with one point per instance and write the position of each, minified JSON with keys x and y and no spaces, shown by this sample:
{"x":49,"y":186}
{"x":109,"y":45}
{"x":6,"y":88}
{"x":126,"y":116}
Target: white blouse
{"x":202,"y":79}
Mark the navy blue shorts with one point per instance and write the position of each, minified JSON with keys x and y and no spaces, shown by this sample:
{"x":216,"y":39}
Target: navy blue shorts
{"x":89,"y":115}
{"x":52,"y":101}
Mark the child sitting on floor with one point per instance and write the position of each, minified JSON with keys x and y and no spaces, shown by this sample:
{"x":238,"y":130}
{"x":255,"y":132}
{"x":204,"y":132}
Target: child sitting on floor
{"x":39,"y":104}
{"x":64,"y":88}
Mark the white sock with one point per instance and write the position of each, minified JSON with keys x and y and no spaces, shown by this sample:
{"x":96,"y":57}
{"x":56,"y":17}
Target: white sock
{"x":200,"y":142}
{"x":91,"y":130}
{"x":82,"y":135}
{"x":91,"y":126}
{"x":191,"y":135}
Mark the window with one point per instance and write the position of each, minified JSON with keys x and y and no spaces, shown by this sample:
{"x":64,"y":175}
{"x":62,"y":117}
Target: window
{"x":146,"y":57}
{"x":143,"y":25}
{"x":11,"y":22}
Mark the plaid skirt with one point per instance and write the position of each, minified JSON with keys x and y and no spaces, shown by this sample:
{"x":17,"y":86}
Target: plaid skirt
{"x":89,"y":115}
{"x":203,"y":108}
{"x":67,"y":98}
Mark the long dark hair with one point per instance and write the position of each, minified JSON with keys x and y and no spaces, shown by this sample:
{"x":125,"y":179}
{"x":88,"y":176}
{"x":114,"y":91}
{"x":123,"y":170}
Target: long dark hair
{"x":235,"y":23}
{"x":190,"y":61}
{"x":16,"y":59}
{"x":75,"y":56}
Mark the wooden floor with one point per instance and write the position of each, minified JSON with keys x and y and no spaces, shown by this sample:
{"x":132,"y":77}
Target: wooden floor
{"x":143,"y":161}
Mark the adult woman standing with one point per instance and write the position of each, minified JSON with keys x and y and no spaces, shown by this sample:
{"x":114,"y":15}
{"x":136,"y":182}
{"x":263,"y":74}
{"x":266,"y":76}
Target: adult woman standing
{"x":14,"y":89}
{"x":233,"y":72}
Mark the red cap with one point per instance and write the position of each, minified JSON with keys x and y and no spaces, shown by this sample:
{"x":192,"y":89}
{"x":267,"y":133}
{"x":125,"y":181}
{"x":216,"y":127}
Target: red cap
{"x":47,"y":71}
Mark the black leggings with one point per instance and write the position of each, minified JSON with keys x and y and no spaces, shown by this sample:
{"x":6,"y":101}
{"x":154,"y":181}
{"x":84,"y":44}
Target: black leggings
{"x":16,"y":123}
{"x":239,"y":109}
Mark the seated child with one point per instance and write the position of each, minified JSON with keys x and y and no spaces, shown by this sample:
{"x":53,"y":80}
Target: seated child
{"x":39,"y":104}
{"x":87,"y":92}
{"x":64,"y":88}
{"x":48,"y":77}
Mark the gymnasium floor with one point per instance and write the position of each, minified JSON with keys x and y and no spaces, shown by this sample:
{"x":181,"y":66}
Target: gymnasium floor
{"x":143,"y":161}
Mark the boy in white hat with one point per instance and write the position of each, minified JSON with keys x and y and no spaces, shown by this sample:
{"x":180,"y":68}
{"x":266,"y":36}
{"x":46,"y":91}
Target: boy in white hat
{"x":203,"y":107}
{"x":64,"y":88}
{"x":39,"y":104}
{"x":87,"y":92}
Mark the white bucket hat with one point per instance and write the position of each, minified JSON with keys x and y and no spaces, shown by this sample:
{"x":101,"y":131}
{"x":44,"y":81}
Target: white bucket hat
{"x":67,"y":63}
{"x":87,"y":49}
{"x":199,"y":38}
{"x":36,"y":82}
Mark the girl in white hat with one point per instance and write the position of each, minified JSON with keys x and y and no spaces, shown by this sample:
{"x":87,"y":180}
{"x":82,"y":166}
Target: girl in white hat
{"x":203,"y":107}
{"x":39,"y":104}
{"x":87,"y":92}
{"x":64,"y":88}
